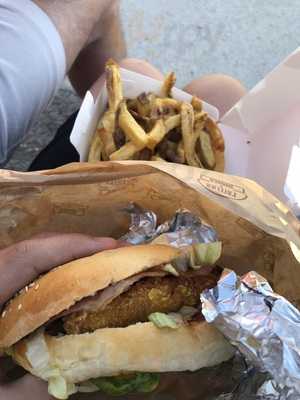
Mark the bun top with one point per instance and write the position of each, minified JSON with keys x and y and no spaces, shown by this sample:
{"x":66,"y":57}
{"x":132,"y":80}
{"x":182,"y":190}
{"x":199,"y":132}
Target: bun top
{"x":65,"y":285}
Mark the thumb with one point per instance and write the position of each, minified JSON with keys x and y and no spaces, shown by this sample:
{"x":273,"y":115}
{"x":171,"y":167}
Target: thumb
{"x":28,"y":259}
{"x":27,"y":387}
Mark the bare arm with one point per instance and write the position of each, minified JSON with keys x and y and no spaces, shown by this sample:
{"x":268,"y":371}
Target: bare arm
{"x":91,"y":33}
{"x":107,"y":41}
{"x":75,"y":21}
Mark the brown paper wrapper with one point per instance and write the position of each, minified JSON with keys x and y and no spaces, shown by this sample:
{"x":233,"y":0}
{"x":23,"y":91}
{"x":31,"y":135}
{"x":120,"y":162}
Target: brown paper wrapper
{"x":258,"y":232}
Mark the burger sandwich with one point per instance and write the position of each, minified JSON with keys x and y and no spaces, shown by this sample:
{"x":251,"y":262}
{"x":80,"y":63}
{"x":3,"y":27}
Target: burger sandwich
{"x":116,"y":320}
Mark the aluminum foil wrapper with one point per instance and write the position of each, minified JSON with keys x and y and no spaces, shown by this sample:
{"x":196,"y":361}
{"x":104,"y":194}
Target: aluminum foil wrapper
{"x":265,"y":328}
{"x":183,"y":229}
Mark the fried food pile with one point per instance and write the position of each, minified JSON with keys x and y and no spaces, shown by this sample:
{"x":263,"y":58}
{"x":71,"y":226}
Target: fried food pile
{"x":155,"y":294}
{"x":156,"y":127}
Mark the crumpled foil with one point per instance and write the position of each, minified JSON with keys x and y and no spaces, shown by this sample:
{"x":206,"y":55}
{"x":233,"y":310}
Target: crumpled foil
{"x":183,"y":229}
{"x":265,"y":328}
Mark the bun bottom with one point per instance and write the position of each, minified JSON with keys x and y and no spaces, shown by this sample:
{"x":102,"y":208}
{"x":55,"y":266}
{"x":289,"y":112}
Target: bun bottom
{"x":113,"y":351}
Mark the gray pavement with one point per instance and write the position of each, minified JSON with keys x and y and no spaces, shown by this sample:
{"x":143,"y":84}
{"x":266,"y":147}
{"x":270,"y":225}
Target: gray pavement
{"x":242,"y":38}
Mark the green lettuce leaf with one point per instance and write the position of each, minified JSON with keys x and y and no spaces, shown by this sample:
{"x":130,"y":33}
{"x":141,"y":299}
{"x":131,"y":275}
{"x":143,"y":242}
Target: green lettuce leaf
{"x":162,"y":320}
{"x":205,"y":254}
{"x":169,"y":268}
{"x":141,"y":382}
{"x":59,"y":388}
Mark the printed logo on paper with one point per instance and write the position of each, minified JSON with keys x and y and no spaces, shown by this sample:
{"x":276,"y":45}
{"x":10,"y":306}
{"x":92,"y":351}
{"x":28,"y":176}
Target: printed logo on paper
{"x":77,"y":211}
{"x":223,"y":188}
{"x":116,"y":184}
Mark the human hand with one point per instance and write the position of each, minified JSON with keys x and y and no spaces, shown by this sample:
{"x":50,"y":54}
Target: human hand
{"x":23,"y":262}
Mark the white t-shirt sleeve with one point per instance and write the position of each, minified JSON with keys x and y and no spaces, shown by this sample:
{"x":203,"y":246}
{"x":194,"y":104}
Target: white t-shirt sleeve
{"x":32,"y":67}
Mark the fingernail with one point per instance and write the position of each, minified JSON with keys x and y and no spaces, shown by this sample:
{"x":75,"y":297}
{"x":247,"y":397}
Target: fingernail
{"x":122,"y":243}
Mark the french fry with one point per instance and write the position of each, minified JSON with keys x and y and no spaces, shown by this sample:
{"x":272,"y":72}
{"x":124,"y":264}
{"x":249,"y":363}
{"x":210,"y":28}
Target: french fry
{"x":114,"y":85}
{"x":104,"y":135}
{"x":95,"y":153}
{"x":188,"y":135}
{"x":172,"y":122}
{"x":131,"y":128}
{"x":157,"y":134}
{"x":168,"y":102}
{"x":201,"y":116}
{"x":165,"y":107}
{"x":168,"y":85}
{"x":126,"y":152}
{"x":215,"y":134}
{"x":199,"y":122}
{"x":205,"y":150}
{"x":197,"y":104}
{"x":108,"y":124}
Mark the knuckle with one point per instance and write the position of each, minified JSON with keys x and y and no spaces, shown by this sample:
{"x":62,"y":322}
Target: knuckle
{"x":22,"y":248}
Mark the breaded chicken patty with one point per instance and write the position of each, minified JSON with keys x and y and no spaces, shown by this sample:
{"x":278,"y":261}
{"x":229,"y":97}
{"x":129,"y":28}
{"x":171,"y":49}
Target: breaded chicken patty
{"x":156,"y":294}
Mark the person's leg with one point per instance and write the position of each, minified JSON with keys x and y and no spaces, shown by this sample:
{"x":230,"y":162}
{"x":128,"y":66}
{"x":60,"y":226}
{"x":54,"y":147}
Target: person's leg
{"x":221,"y":91}
{"x":75,"y":21}
{"x":142,"y":67}
{"x":106,"y":41}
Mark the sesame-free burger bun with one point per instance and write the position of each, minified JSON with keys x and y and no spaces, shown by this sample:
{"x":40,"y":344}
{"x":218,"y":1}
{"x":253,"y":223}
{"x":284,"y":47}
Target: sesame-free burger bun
{"x":65,"y":285}
{"x":137,"y":348}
